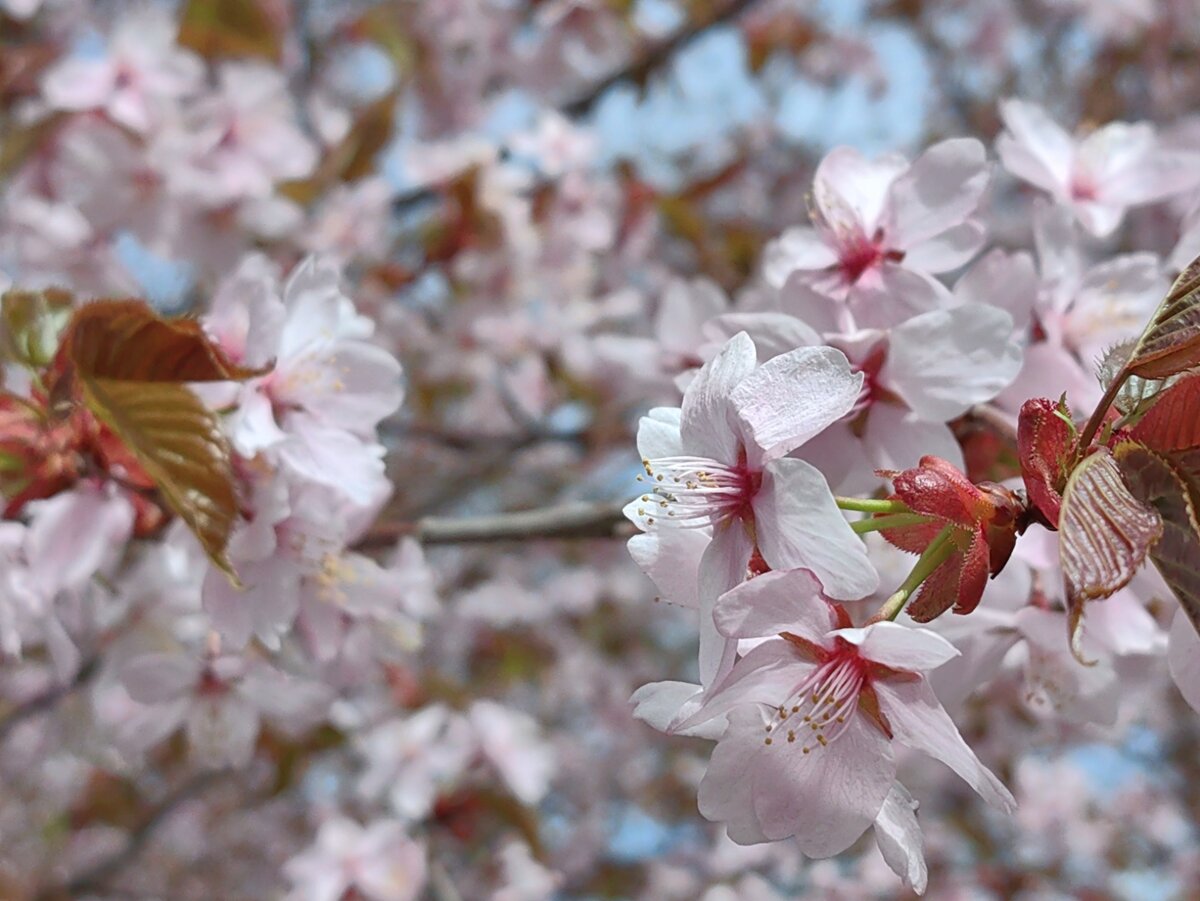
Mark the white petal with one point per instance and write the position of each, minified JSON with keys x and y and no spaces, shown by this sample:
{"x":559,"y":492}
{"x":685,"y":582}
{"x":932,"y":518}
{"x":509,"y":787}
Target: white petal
{"x":1183,"y":658}
{"x":944,"y":361}
{"x":708,"y":421}
{"x":949,"y":250}
{"x":671,"y":558}
{"x":941,"y":189}
{"x":659,"y":703}
{"x":901,"y":647}
{"x":795,"y":396}
{"x":896,"y":438}
{"x":658,"y":434}
{"x":1035,"y":147}
{"x":898,"y":836}
{"x":722,"y":566}
{"x":779,"y":601}
{"x":797,"y":248}
{"x":800,"y":526}
{"x":918,"y":720}
{"x":1005,"y":280}
{"x":852,"y":191}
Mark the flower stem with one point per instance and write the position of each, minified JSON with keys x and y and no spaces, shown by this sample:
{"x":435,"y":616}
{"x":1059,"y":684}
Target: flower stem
{"x":934,"y":556}
{"x":870,"y":505}
{"x":890,"y":521}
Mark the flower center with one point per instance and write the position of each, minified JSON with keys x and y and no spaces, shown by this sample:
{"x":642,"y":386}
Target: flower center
{"x":821,"y":707}
{"x":695,"y":492}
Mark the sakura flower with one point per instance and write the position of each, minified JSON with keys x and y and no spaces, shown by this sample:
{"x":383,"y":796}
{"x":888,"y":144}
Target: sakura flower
{"x":236,"y":143}
{"x":1078,"y":311}
{"x":409,"y":761}
{"x":718,"y":463}
{"x":318,"y":407}
{"x":511,"y":742}
{"x":813,"y":715}
{"x":918,"y":376}
{"x":1098,"y":177}
{"x":142,"y":70}
{"x":220,"y":702}
{"x":377,"y":862}
{"x":524,"y":878}
{"x":881,"y":230}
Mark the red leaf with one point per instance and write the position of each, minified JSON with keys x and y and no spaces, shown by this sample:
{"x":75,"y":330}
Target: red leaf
{"x":1173,"y":423}
{"x":1171,"y":342}
{"x":1045,"y":444}
{"x":937,"y":488}
{"x":1105,"y":535}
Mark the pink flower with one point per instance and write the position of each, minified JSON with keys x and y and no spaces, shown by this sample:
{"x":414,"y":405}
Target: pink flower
{"x":813,"y":715}
{"x":1098,"y":177}
{"x":378,"y":862}
{"x":143,"y":72}
{"x":882,"y":227}
{"x":219,"y":701}
{"x":718,"y":464}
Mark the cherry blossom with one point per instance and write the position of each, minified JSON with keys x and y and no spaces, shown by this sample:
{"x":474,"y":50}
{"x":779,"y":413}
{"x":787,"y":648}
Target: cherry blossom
{"x":378,"y":862}
{"x":1100,"y":176}
{"x":812,"y":716}
{"x":882,"y":228}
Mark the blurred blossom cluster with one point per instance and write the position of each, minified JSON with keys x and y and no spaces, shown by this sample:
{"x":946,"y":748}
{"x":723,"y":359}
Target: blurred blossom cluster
{"x":315,"y":579}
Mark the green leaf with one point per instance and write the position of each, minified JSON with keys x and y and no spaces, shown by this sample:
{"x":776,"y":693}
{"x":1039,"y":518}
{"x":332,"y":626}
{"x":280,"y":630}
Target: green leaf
{"x":1105,"y":534}
{"x":1170,"y":343}
{"x":32,"y":322}
{"x":230,"y":28}
{"x":1171,"y":486}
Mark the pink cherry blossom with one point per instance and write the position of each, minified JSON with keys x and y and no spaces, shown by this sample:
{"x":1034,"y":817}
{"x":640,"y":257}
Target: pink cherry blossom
{"x":1099,"y":176}
{"x":718,"y":463}
{"x":813,"y":715}
{"x":882,"y":228}
{"x":377,"y":862}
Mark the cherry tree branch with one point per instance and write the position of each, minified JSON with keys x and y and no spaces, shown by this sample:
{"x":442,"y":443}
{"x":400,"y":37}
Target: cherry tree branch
{"x":566,"y":522}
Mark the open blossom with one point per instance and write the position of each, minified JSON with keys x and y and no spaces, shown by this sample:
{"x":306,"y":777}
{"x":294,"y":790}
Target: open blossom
{"x":142,"y":72}
{"x":377,"y":862}
{"x":812,"y":716}
{"x":883,"y":227}
{"x":718,"y":464}
{"x":1098,"y":177}
{"x":318,"y":407}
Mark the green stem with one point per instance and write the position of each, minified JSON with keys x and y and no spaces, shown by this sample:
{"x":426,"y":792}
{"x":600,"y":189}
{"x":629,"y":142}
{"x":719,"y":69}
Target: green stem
{"x":935,"y":555}
{"x":891,"y":521}
{"x":1093,"y":424}
{"x":870,"y":505}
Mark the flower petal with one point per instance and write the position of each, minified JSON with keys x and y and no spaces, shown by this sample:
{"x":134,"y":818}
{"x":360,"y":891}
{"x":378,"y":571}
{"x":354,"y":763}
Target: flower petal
{"x":898,"y":836}
{"x":799,"y":526}
{"x":795,"y":396}
{"x":919,"y":721}
{"x":899,"y":647}
{"x":782,"y":601}
{"x":708,"y":422}
{"x":941,"y":189}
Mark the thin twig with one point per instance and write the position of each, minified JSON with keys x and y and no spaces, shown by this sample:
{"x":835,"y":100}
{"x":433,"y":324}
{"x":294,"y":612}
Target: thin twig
{"x":568,"y":522}
{"x":49,"y":698}
{"x":658,"y":55}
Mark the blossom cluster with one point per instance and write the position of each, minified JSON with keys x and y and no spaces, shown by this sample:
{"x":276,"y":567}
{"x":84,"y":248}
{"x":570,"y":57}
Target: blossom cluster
{"x":334,"y":337}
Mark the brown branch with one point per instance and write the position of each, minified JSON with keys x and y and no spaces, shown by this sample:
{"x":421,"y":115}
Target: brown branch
{"x":567,"y":522}
{"x":658,"y":55}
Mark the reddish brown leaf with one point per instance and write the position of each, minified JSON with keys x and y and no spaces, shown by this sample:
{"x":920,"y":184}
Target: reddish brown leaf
{"x":1045,"y":445}
{"x":1169,"y":485}
{"x":1173,"y":423}
{"x":127,"y":341}
{"x":1105,"y":534}
{"x":1171,"y":342}
{"x":179,"y":443}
